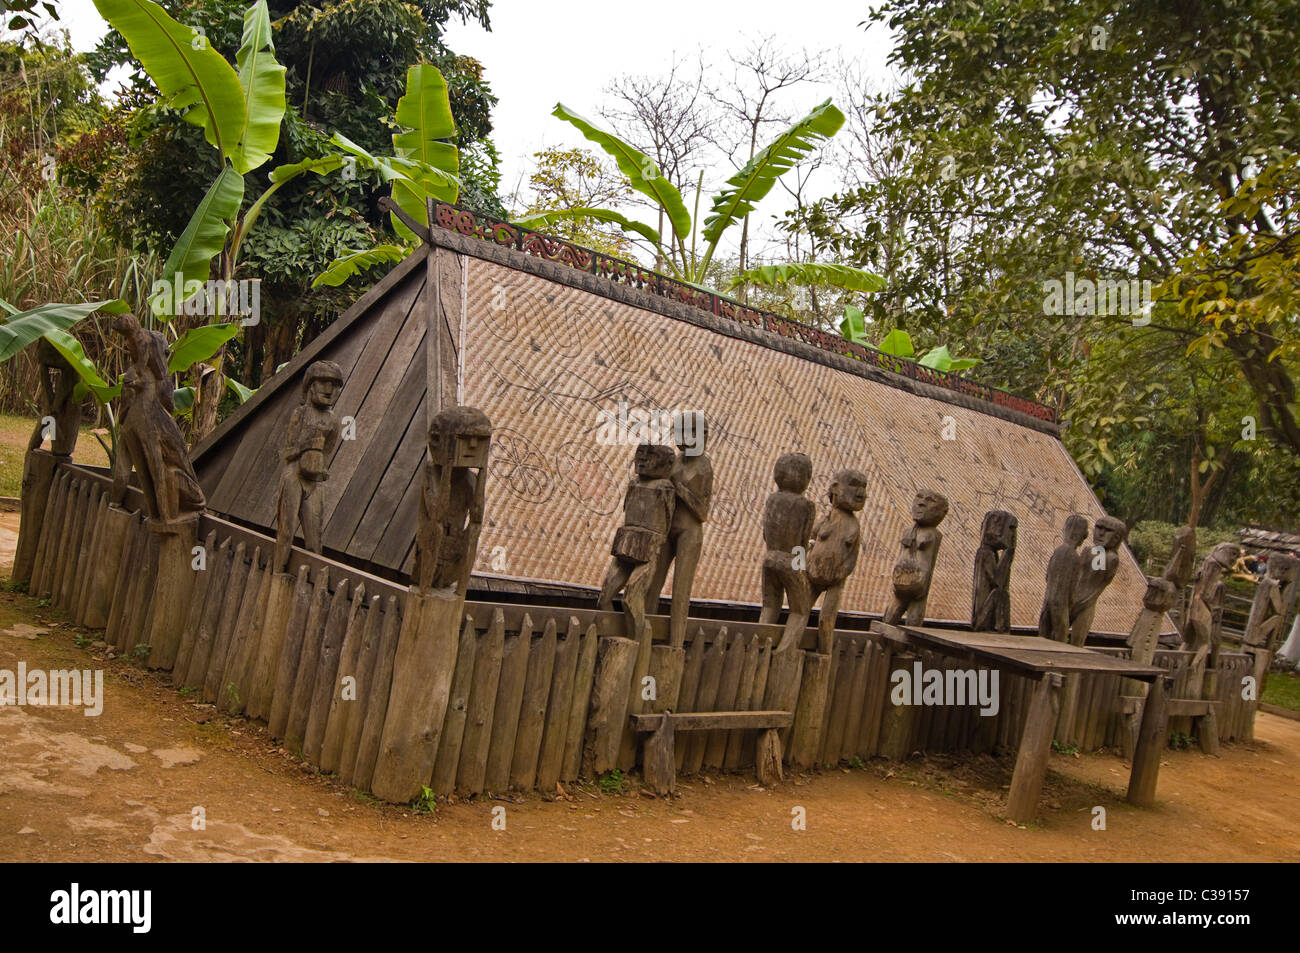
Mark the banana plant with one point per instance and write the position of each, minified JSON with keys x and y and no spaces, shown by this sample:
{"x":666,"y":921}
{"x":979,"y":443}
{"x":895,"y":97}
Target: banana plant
{"x":240,"y":108}
{"x":689,"y":249}
{"x":423,"y":166}
{"x":898,"y":343}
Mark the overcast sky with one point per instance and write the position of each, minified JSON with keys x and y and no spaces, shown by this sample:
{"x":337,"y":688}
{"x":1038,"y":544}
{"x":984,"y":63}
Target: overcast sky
{"x":540,"y":53}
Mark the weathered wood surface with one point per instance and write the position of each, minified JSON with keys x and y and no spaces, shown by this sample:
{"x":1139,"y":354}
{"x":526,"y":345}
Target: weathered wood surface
{"x":377,"y":709}
{"x":1035,"y":749}
{"x":480,"y":714}
{"x":714,"y":720}
{"x":510,"y":697}
{"x":550,"y":761}
{"x":417,"y":704}
{"x":453,"y":725}
{"x":609,"y":699}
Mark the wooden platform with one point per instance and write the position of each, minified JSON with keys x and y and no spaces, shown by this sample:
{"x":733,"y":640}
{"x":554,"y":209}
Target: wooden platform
{"x":1048,"y":661}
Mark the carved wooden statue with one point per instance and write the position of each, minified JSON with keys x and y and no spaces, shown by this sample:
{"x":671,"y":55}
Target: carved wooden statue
{"x":991,"y":591}
{"x":1098,"y":564}
{"x":451,"y":499}
{"x":312,"y":435}
{"x":58,"y":381}
{"x":1062,"y":577}
{"x":149,"y":440}
{"x":647,"y":516}
{"x":787,"y":526}
{"x":1182,"y":558}
{"x":1145,"y":634}
{"x":837,"y":538}
{"x":914,"y":569}
{"x":1205,"y":609}
{"x":1273,"y":599}
{"x":692,"y":478}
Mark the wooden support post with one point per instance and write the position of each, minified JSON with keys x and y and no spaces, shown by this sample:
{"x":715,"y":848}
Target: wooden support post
{"x":659,"y":762}
{"x":48,"y":532}
{"x":1035,"y":750}
{"x":344,"y":699}
{"x":550,"y":761}
{"x":809,"y":712}
{"x":609,"y":700}
{"x":191,"y":670}
{"x":896,"y":721}
{"x":380,"y":688}
{"x":767,"y":759}
{"x":532,"y":710}
{"x":38,"y":478}
{"x":260,"y":679}
{"x":173,"y":583}
{"x":304,"y":685}
{"x":510,"y":698}
{"x":1151,"y":745}
{"x":582,"y":685}
{"x":422,"y":672}
{"x":453,"y":725}
{"x":324,"y":686}
{"x":480,"y":714}
{"x":88,"y":556}
{"x":784,"y":676}
{"x":103,"y":574}
{"x":367,"y":660}
{"x":308,"y":606}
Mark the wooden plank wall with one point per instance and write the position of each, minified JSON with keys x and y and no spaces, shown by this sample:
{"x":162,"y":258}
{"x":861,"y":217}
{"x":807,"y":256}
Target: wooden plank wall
{"x":521,"y":710}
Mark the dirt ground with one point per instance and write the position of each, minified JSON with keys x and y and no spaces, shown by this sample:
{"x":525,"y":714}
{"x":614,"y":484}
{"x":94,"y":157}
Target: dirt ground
{"x":129,"y":784}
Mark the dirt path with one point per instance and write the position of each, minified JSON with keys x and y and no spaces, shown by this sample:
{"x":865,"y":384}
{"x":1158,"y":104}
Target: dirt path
{"x":125,"y":786}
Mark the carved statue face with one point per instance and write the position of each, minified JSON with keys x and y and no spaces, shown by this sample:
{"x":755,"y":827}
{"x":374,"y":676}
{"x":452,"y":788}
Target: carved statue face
{"x":1283,"y":568}
{"x":929,"y":508}
{"x":1225,"y":554}
{"x":792,"y":472}
{"x":1159,"y":595}
{"x":323,"y":392}
{"x":849,"y":490}
{"x":1109,"y":532}
{"x":998,"y":528}
{"x":653,"y":461}
{"x":471,"y":450}
{"x":1075,"y":531}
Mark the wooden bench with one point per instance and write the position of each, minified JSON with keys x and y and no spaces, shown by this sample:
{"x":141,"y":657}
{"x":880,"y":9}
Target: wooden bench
{"x":659,"y":759}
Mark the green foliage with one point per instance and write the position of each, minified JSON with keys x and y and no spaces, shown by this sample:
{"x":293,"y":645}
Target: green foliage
{"x":1282,"y":689}
{"x":426,"y":802}
{"x":612,"y":782}
{"x":685,"y":259}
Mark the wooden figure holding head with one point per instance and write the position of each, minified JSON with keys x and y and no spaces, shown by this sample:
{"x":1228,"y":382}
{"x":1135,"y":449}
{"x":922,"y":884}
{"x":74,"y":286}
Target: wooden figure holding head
{"x":451,"y":499}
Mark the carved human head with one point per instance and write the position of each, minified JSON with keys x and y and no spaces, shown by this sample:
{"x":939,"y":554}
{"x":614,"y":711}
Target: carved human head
{"x":690,"y":432}
{"x":848,"y":490}
{"x":998,"y":529}
{"x":929,"y":508}
{"x":792,"y":472}
{"x":654,"y":461}
{"x":460,"y":437}
{"x":1225,"y":554}
{"x":1160,"y":593}
{"x":1109,"y":532}
{"x":1075,"y":530}
{"x":321,"y":384}
{"x":1283,"y":568}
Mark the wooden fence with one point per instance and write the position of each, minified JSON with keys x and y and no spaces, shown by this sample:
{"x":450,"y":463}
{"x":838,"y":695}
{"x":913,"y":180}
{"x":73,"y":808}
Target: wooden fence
{"x":538,"y":696}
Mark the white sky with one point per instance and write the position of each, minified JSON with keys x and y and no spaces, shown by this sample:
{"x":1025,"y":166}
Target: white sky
{"x":539,"y":53}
